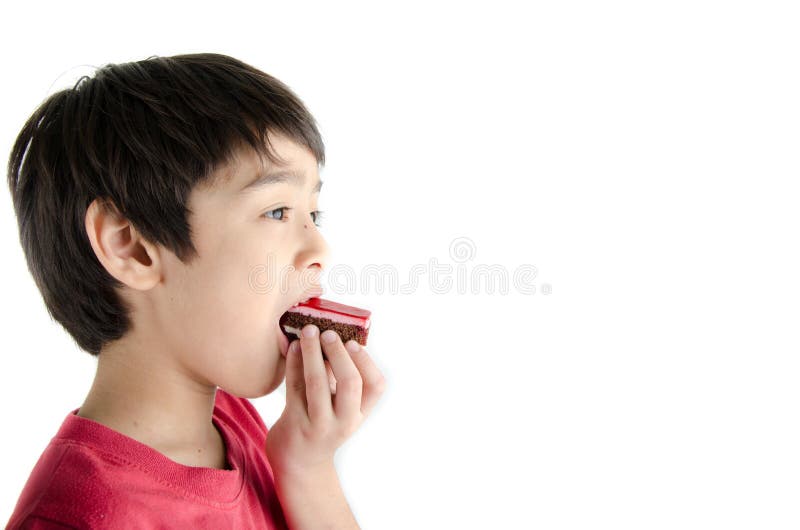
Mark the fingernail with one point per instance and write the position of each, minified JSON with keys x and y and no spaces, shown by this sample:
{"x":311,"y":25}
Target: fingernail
{"x":293,"y":346}
{"x":328,"y":336}
{"x":310,"y":331}
{"x":352,"y":346}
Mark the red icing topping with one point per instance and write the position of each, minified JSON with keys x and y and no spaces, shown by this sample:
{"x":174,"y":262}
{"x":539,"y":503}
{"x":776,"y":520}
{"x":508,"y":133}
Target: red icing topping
{"x":335,"y":307}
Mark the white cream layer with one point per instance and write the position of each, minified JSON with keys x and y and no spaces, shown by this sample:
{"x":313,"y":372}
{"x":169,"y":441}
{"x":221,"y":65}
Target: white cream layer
{"x":290,"y":329}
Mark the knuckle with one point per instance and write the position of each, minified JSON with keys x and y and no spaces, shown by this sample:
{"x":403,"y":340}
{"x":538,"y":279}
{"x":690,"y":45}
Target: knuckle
{"x":326,"y":430}
{"x":317,"y":382}
{"x":309,"y":431}
{"x":353,"y":377}
{"x":379,"y":384}
{"x":350,"y":384}
{"x":352,"y":426}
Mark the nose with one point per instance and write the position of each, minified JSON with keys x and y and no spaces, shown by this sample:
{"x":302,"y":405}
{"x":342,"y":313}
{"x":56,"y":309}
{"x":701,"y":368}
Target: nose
{"x":314,"y":253}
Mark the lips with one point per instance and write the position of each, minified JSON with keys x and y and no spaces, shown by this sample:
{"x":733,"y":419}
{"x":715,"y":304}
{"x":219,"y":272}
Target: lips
{"x":311,"y":293}
{"x":284,"y":341}
{"x":286,"y":338}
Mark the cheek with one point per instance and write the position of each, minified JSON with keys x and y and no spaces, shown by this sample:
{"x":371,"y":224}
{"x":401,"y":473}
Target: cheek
{"x":219,"y":307}
{"x":229,"y":331}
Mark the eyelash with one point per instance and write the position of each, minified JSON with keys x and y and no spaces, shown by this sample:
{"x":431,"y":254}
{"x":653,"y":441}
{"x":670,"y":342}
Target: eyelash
{"x":317,"y":214}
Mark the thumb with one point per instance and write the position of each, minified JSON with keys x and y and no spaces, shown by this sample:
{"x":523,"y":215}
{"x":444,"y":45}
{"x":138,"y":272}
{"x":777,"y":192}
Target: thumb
{"x":295,"y":378}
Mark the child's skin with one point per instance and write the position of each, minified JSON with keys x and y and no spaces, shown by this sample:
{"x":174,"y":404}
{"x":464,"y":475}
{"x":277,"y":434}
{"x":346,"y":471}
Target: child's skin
{"x":201,"y":325}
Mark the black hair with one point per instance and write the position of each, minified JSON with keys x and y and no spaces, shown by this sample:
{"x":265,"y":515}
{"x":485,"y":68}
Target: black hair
{"x":138,"y":136}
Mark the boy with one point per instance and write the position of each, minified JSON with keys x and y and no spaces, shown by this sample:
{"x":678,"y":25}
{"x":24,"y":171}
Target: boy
{"x":146,"y":197}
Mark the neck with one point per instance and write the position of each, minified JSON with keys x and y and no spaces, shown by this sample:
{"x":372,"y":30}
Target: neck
{"x":145,"y":394}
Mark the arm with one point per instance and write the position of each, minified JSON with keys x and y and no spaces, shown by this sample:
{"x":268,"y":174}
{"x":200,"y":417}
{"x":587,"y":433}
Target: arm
{"x":313,"y":501}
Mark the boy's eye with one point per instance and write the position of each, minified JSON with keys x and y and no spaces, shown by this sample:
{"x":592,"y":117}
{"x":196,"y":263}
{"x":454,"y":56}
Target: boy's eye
{"x":280,"y":214}
{"x":282,"y":210}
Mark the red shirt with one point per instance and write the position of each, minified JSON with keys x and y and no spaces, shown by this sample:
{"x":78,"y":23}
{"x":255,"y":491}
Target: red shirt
{"x":91,"y":476}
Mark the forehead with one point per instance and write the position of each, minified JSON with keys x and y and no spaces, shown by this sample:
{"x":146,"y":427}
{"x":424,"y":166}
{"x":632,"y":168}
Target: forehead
{"x":294,"y":161}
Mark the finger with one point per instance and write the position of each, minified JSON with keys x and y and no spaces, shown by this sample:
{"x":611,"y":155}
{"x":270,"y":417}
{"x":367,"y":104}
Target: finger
{"x":295,"y":383}
{"x":331,"y":377}
{"x":318,"y":393}
{"x":347,"y":402}
{"x":374,"y":382}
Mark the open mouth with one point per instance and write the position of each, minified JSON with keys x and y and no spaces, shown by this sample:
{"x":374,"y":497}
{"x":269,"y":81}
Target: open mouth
{"x":287,"y":333}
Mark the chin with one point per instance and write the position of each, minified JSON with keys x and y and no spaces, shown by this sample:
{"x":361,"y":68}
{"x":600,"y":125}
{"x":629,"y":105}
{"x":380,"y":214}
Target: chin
{"x":278,"y":376}
{"x":270,"y":389}
{"x":247,"y":387}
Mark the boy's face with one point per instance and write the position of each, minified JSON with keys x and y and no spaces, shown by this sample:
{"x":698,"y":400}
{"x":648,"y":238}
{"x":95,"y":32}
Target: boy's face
{"x":220,"y":312}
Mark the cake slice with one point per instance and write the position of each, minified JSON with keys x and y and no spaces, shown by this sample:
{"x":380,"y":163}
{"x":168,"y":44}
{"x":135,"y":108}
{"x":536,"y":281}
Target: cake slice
{"x":349,"y":322}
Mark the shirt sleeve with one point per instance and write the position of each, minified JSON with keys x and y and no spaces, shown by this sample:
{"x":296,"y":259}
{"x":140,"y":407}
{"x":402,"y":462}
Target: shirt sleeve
{"x":40,"y":523}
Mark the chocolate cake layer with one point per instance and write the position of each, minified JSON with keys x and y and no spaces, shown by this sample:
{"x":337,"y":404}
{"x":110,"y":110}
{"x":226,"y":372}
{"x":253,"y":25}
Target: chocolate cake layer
{"x":345,"y":331}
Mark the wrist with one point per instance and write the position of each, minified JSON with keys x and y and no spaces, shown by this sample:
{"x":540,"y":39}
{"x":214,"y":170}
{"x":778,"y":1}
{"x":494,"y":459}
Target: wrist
{"x":313,"y":496}
{"x":305,"y":474}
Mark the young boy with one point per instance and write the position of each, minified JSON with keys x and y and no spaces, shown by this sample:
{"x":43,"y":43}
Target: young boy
{"x":147,"y":196}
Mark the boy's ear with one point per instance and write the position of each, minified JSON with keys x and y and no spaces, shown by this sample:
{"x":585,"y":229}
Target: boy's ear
{"x":122,"y":250}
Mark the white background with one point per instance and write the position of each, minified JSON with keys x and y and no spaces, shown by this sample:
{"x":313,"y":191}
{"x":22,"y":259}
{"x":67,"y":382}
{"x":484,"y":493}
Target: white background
{"x":642,"y":156}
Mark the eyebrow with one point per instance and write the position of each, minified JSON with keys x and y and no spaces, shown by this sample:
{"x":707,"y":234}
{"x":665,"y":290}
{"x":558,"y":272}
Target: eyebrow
{"x":288,"y":176}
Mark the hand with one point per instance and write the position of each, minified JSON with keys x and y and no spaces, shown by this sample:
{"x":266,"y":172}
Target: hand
{"x":318,"y":419}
